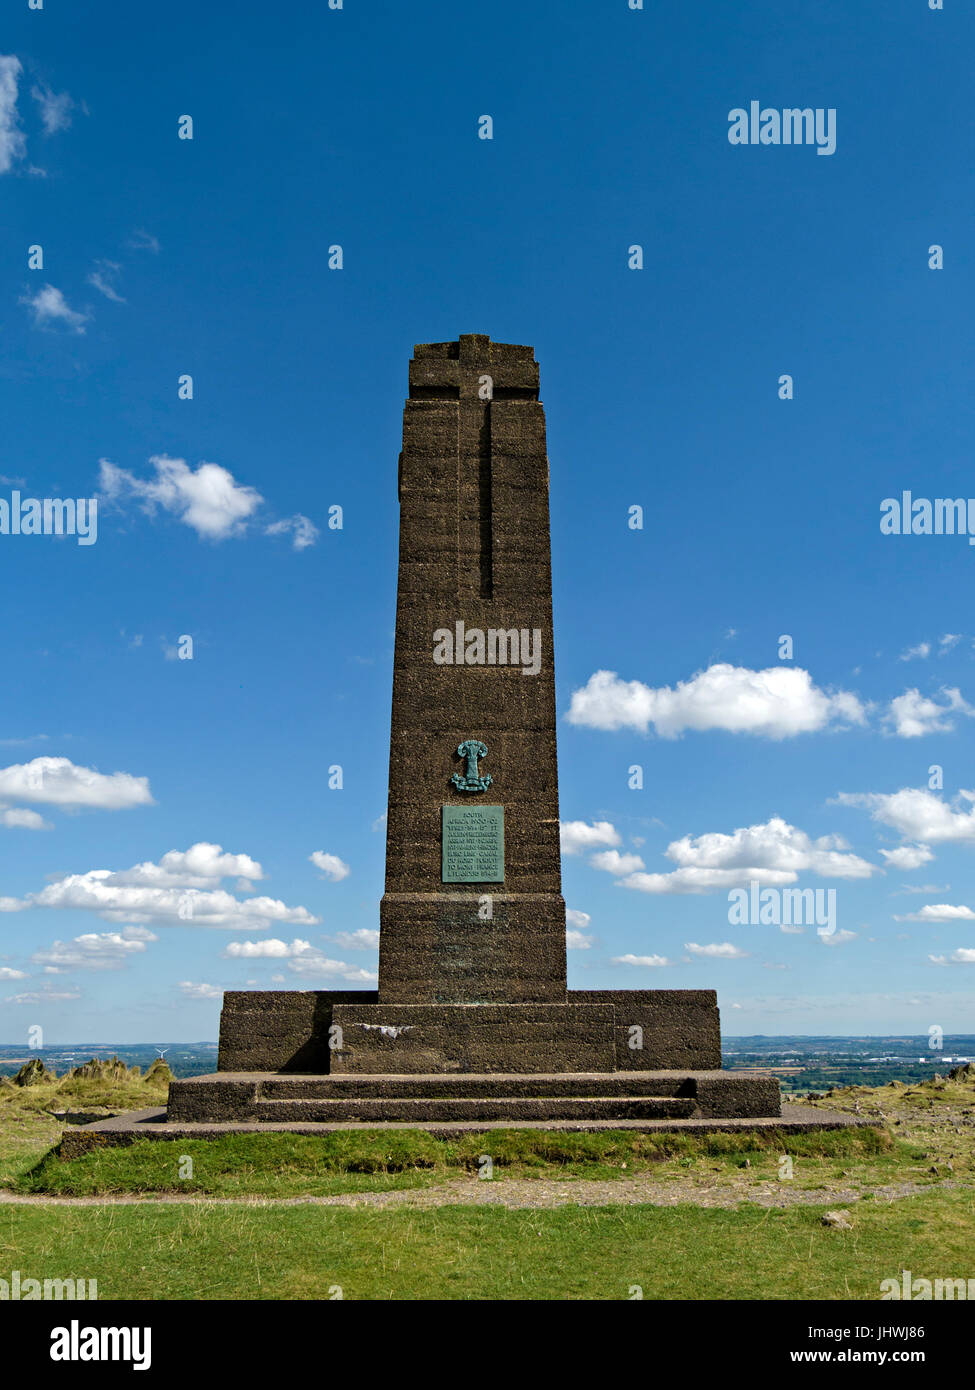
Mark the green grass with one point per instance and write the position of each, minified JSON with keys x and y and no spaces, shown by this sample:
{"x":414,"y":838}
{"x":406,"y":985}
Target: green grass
{"x":158,"y":1250}
{"x":346,"y":1161}
{"x":212,"y":1252}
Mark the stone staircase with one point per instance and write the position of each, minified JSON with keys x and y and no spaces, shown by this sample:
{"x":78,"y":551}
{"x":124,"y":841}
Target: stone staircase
{"x":470,"y":1098}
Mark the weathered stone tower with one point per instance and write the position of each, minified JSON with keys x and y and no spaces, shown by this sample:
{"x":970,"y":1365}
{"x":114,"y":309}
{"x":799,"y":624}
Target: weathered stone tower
{"x":473,"y":910}
{"x":472,"y":1019}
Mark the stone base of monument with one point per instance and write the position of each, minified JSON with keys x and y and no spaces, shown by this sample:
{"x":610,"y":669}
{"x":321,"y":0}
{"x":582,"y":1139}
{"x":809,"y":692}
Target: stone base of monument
{"x":351,"y":1033}
{"x":157,"y":1124}
{"x":314,"y":1061}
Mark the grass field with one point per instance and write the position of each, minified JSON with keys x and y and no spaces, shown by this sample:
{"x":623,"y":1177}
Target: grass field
{"x":679,"y":1216}
{"x":216,"y":1252}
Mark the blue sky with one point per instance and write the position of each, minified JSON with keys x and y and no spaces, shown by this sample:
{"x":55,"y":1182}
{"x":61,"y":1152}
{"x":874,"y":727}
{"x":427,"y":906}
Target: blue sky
{"x":209,"y":257}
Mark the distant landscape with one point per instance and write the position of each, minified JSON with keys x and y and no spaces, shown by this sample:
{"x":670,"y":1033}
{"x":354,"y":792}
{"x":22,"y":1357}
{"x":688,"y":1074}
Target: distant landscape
{"x":802,"y":1064}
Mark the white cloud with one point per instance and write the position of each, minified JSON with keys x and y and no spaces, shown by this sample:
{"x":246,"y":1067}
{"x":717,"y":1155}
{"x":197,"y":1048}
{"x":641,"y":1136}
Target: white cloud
{"x":365,"y":939}
{"x":577,"y":940}
{"x":103,"y":278}
{"x":200,"y":991}
{"x":303,"y":959}
{"x":576,"y":835}
{"x":12,"y":144}
{"x":273,"y":949}
{"x":201,"y":866}
{"x":331,"y":865}
{"x":773,"y":853}
{"x":315,"y":963}
{"x":12,"y":905}
{"x":7,"y":972}
{"x":716,"y":950}
{"x":919,"y":653}
{"x":837,"y":938}
{"x":209,"y":500}
{"x":144,"y":241}
{"x":652,"y":961}
{"x":44,"y":996}
{"x":18,"y":818}
{"x":912,"y":714}
{"x":59,"y":782}
{"x":917,"y":814}
{"x":612,"y":862}
{"x":908,"y":856}
{"x":949,"y":641}
{"x":577,"y":919}
{"x":302,"y":530}
{"x":49,"y":306}
{"x":776,"y":703}
{"x":939,"y":912}
{"x":964,"y":955}
{"x":189,"y":907}
{"x":56,"y":108}
{"x":165,"y":894}
{"x":93,"y":951}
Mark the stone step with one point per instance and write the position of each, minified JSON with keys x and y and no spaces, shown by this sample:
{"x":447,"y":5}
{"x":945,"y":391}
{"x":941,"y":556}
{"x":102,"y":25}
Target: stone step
{"x":474,"y":1085}
{"x":446,"y":1108}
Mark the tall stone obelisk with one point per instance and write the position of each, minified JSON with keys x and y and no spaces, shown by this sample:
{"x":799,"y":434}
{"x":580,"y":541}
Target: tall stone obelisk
{"x":472,"y":1021}
{"x":473,"y":909}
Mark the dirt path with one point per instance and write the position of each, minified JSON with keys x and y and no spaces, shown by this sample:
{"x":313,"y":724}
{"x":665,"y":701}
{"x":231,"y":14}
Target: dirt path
{"x":515,"y":1193}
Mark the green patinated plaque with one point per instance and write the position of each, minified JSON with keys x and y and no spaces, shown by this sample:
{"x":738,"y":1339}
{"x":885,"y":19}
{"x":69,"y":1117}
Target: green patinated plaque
{"x":473,"y":844}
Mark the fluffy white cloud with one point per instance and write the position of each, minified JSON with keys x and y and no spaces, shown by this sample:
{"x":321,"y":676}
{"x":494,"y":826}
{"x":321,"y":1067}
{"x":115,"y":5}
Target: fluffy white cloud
{"x":315,"y":963}
{"x":49,"y":306}
{"x":200,"y":991}
{"x":93,"y":951}
{"x":652,"y":961}
{"x":577,"y":919}
{"x":612,"y":862}
{"x":55,"y":107}
{"x":716,"y":950}
{"x":776,"y":703}
{"x":965,"y":955}
{"x":912,"y":714}
{"x":919,"y":653}
{"x":303,"y":959}
{"x":577,"y":940}
{"x":188,"y":907}
{"x":7,"y":972}
{"x":939,"y":912}
{"x":302,"y":530}
{"x":917,"y":814}
{"x":170,"y":893}
{"x":18,"y":818}
{"x":209,"y":499}
{"x":907,"y":857}
{"x":365,"y":939}
{"x":58,"y":782}
{"x":837,"y":938}
{"x":273,"y":949}
{"x":12,"y":143}
{"x":773,"y":853}
{"x":201,"y":866}
{"x":576,"y":835}
{"x":331,"y":865}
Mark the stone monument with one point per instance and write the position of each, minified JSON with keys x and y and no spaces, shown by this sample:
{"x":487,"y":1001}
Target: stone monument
{"x":472,"y":1023}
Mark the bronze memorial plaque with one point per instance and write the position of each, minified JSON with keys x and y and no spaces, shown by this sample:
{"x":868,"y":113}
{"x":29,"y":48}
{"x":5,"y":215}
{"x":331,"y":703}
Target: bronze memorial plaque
{"x":473,"y":844}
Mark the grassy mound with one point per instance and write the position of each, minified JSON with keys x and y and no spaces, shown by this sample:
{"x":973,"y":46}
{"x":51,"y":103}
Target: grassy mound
{"x":369,"y":1160}
{"x":99,"y":1084}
